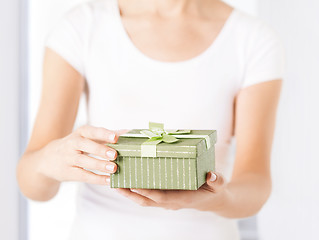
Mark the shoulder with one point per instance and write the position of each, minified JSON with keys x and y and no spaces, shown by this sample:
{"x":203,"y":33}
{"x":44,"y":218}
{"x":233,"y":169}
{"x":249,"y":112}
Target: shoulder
{"x":255,"y":38}
{"x":253,"y":29}
{"x":70,"y":35}
{"x":90,"y":10}
{"x":83,"y":17}
{"x":262,"y":51}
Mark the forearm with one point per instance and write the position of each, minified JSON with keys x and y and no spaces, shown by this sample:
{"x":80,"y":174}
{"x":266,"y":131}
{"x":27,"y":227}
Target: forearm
{"x":244,"y":196}
{"x":32,"y":182}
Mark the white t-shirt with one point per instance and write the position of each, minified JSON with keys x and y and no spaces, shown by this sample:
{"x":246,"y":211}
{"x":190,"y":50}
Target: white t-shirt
{"x":127,"y":89}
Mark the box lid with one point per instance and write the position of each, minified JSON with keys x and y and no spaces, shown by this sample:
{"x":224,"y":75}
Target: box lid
{"x":184,"y":148}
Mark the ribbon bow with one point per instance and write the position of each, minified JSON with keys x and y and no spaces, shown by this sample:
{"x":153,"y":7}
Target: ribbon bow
{"x":157,"y":134}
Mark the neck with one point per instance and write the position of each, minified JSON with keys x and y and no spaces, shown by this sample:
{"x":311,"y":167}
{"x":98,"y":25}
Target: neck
{"x":165,"y":8}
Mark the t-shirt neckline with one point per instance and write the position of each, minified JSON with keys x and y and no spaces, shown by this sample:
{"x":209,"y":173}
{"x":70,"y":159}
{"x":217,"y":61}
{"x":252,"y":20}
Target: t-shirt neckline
{"x":146,"y":59}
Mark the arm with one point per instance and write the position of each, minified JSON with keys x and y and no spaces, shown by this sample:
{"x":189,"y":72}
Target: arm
{"x":54,"y":153}
{"x":250,"y":185}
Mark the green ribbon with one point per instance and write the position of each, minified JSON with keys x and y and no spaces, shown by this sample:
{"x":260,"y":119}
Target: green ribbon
{"x":157,"y":134}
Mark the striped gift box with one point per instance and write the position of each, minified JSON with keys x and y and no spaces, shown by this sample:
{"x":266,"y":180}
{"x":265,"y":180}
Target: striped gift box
{"x":181,"y":165}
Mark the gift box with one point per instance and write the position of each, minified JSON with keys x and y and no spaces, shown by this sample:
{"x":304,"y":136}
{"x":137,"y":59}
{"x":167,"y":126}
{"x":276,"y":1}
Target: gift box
{"x":164,"y":159}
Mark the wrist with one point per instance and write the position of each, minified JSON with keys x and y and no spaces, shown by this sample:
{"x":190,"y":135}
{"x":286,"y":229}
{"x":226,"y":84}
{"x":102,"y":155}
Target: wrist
{"x":42,"y":168}
{"x":33,"y":183}
{"x":222,"y":201}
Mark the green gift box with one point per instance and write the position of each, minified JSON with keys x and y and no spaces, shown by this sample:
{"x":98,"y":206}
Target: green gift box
{"x":159,"y":159}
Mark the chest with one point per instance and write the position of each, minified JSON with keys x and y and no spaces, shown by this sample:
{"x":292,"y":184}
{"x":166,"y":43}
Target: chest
{"x":128,"y":88}
{"x":171,"y":39}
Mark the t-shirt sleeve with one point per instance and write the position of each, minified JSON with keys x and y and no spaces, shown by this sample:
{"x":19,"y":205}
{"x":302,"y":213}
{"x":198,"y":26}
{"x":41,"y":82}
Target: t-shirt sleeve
{"x":68,"y":38}
{"x":264,"y":57}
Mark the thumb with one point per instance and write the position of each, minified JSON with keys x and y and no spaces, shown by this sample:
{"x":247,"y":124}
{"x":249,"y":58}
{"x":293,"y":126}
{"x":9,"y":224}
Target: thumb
{"x":215,"y":181}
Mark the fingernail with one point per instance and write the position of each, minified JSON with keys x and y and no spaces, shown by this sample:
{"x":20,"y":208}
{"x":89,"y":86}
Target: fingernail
{"x":134,"y":190}
{"x":110,"y":167}
{"x":112,"y":136}
{"x":107,"y":180}
{"x":111,"y":154}
{"x":213,"y":177}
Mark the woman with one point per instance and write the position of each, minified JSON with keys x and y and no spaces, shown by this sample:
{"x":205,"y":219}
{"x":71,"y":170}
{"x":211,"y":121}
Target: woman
{"x":191,"y":64}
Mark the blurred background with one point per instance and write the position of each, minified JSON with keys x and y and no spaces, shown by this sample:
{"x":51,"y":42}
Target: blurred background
{"x":291,"y":213}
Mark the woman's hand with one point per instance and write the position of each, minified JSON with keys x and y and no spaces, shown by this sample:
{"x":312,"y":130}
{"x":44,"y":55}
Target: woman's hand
{"x":67,"y":159}
{"x":209,"y":197}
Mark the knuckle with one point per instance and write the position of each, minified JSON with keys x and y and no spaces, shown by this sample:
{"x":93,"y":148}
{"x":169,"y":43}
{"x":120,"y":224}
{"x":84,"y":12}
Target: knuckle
{"x":100,"y":131}
{"x":98,"y":165}
{"x":99,"y":150}
{"x":77,"y":160}
{"x":69,"y":160}
{"x":85,"y":177}
{"x":84,"y":130}
{"x":96,"y":179}
{"x":69,"y":141}
{"x":75,"y":142}
{"x":78,"y":143}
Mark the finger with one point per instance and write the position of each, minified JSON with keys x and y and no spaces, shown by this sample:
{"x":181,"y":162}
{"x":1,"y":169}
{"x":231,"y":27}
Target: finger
{"x":214,"y":181}
{"x":159,"y":196}
{"x":121,"y":131}
{"x":91,"y":163}
{"x":137,"y":198}
{"x":164,"y":199}
{"x":89,"y":146}
{"x":98,"y":134}
{"x":170,"y":197}
{"x":81,"y":175}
